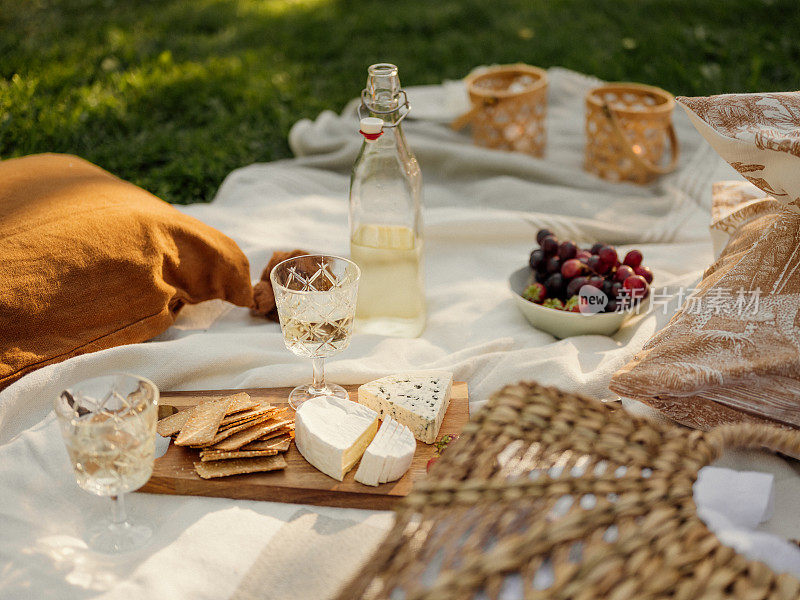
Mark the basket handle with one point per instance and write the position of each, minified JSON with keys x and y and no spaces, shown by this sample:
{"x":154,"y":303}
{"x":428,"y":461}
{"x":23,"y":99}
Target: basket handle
{"x":639,"y":160}
{"x":462,"y":121}
{"x":752,"y":436}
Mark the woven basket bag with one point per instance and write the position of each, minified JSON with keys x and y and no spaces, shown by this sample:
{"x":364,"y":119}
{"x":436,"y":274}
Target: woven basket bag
{"x":509,"y":104}
{"x":552,"y":495}
{"x":627,"y":125}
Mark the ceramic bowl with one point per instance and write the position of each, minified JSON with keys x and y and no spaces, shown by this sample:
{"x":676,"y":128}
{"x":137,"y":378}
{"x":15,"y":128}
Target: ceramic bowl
{"x":562,"y":324}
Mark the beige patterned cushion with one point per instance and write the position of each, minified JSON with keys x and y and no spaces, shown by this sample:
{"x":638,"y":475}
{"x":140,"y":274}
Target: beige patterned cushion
{"x":735,"y":343}
{"x":758,"y":134}
{"x":733,"y":204}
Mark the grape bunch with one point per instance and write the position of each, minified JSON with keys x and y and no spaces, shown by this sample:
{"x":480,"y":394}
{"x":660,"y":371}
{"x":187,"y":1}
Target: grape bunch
{"x":561,"y":269}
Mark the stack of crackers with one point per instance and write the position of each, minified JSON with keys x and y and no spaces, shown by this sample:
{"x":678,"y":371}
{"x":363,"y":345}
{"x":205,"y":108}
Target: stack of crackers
{"x":234,"y":434}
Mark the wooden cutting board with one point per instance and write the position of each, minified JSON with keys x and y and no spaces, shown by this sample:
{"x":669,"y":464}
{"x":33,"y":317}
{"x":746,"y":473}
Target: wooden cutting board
{"x":174,"y":472}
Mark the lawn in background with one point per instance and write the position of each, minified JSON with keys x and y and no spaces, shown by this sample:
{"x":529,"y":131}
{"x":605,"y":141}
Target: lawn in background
{"x":174,"y":94}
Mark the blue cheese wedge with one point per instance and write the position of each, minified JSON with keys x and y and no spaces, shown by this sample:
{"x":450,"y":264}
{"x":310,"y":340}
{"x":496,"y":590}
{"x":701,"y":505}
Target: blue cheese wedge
{"x":417,"y":400}
{"x":332,"y":433}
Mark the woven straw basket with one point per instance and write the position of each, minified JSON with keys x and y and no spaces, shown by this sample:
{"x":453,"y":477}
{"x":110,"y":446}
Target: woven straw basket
{"x":627,"y":125}
{"x":551,"y":495}
{"x":509,"y":103}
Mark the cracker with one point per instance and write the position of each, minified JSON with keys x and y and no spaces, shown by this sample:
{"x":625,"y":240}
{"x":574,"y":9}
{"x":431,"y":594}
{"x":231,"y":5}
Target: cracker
{"x":210,"y":455}
{"x":202,"y":424}
{"x":172,"y":424}
{"x":238,"y":466}
{"x":223,"y":434}
{"x":280,"y":443}
{"x":239,"y":439}
{"x":241,"y":402}
{"x":287,"y":430}
{"x":247,"y":415}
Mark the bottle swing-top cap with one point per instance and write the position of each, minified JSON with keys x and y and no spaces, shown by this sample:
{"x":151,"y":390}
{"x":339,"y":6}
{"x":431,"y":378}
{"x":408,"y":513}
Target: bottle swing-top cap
{"x":382,"y":96}
{"x":371,"y":129}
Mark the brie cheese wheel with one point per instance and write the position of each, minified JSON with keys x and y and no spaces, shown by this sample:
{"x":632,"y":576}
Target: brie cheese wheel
{"x":416,"y":399}
{"x":389,"y":455}
{"x":332,"y":433}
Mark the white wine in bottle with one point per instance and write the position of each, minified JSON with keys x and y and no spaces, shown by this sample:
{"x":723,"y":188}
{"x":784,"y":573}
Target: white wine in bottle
{"x":391,"y":300}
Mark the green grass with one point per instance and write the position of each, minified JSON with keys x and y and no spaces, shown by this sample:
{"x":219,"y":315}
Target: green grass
{"x":174,"y":94}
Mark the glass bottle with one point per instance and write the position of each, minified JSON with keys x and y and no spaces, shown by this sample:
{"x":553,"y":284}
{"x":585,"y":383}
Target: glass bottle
{"x":385,"y":214}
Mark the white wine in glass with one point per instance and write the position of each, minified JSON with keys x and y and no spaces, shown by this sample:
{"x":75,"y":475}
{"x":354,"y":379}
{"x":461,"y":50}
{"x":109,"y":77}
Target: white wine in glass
{"x":109,"y":427}
{"x":316,"y":300}
{"x":314,"y":338}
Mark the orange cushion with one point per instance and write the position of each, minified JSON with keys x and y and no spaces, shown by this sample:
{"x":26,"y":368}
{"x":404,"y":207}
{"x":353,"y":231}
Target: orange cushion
{"x":89,"y":262}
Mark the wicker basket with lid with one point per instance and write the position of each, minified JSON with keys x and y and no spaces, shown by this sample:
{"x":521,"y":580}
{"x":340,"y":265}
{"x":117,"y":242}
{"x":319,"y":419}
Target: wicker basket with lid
{"x":627,"y":126}
{"x":509,"y":104}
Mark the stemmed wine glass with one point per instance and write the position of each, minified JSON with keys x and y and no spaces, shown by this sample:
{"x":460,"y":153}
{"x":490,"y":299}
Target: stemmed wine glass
{"x":109,"y":427}
{"x":316,"y":300}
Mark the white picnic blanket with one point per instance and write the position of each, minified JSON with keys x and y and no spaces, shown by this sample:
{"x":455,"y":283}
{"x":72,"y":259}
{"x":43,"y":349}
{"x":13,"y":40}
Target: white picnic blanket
{"x":482,"y":211}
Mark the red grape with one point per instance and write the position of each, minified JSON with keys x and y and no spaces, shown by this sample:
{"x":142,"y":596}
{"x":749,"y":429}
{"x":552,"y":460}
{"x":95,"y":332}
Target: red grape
{"x":536,"y":259}
{"x":597,"y":265}
{"x":644,"y":272}
{"x":596,"y":248}
{"x":623,"y":272}
{"x":567,"y":250}
{"x":555,"y":285}
{"x":550,"y":245}
{"x":608,"y":254}
{"x":572,"y":268}
{"x":633,"y":259}
{"x":636,"y":286}
{"x":575,"y":285}
{"x":542,"y":233}
{"x":596,"y":281}
{"x":553,"y":265}
{"x":583,"y":254}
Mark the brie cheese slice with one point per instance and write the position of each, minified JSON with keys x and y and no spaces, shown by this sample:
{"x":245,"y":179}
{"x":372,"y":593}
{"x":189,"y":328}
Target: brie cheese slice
{"x":402,"y":453}
{"x":332,"y":433}
{"x":417,"y":399}
{"x":389,"y":455}
{"x":385,"y":452}
{"x":370,"y":467}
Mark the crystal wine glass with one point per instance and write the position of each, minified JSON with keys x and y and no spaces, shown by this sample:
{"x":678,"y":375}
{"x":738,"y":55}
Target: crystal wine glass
{"x":316,"y":300}
{"x":109,"y":426}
